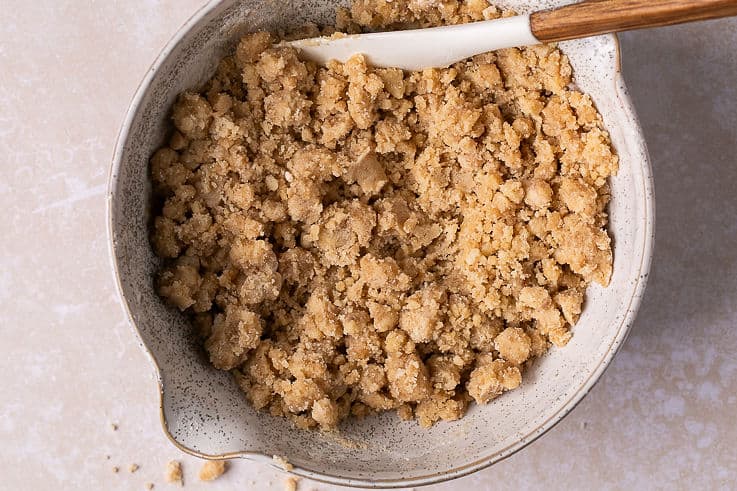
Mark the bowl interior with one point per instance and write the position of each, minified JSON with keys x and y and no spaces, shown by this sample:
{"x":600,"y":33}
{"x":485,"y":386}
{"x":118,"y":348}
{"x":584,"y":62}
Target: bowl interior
{"x":205,"y":412}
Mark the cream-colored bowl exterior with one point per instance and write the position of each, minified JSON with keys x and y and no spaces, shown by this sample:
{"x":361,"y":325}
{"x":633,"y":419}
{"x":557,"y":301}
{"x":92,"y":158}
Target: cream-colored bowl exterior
{"x":203,"y":411}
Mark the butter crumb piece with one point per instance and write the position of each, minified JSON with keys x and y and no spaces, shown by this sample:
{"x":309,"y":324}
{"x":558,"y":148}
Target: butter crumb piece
{"x":283,"y":463}
{"x":174,"y":472}
{"x":213,"y":469}
{"x":290,"y":484}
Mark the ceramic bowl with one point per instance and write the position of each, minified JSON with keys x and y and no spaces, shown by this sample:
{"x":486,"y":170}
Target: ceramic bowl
{"x":202,"y":410}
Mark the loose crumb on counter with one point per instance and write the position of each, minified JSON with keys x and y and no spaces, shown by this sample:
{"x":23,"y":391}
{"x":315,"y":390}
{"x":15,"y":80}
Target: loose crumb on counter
{"x":291,"y":484}
{"x":133,"y":468}
{"x":350,"y":240}
{"x":213,"y":469}
{"x":149,"y":486}
{"x":174,"y":473}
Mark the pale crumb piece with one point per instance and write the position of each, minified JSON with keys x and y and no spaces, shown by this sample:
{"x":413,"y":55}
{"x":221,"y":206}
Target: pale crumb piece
{"x":491,"y":379}
{"x":291,"y":483}
{"x":114,"y":426}
{"x":213,"y":469}
{"x":514,"y":345}
{"x":116,"y":469}
{"x":149,"y":486}
{"x":133,"y":468}
{"x":350,"y":240}
{"x":283,"y":463}
{"x":174,"y":473}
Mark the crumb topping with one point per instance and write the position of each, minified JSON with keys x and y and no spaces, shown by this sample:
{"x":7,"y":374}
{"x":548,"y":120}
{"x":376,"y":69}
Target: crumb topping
{"x":213,"y":469}
{"x":173,"y":473}
{"x":349,"y":239}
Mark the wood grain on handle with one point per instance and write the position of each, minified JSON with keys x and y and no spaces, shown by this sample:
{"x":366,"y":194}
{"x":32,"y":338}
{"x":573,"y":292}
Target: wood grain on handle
{"x":594,"y":17}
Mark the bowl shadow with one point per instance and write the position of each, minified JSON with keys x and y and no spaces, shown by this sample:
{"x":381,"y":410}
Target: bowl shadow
{"x":688,"y":112}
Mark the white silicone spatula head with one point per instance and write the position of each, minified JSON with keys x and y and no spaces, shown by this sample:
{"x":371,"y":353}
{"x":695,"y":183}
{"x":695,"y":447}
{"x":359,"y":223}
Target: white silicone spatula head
{"x":421,"y":48}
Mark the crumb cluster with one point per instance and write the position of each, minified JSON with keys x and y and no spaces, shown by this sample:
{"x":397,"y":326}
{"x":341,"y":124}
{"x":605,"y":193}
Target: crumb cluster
{"x":350,"y":240}
{"x":210,"y":471}
{"x":173,"y":473}
{"x":213,"y":469}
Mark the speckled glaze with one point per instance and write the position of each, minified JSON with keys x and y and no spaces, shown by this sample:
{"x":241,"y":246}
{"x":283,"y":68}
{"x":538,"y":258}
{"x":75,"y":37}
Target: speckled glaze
{"x":202,"y":410}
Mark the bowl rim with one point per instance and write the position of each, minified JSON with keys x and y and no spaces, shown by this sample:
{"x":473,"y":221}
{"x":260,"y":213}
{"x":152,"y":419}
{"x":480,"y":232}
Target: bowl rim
{"x":625,"y":326}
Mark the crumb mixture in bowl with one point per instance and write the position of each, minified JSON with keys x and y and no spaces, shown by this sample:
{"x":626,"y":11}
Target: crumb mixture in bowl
{"x":350,"y":240}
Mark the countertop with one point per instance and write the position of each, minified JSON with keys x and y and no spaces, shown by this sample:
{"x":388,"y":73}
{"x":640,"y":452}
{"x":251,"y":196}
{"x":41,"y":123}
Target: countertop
{"x":663,"y":415}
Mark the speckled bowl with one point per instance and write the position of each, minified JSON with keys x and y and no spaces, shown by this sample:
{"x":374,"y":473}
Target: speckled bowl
{"x":202,"y":410}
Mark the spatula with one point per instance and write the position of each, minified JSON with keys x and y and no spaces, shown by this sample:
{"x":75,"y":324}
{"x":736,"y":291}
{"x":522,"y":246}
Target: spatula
{"x":416,"y":49}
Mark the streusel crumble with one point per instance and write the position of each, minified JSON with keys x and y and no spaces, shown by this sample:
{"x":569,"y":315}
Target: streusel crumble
{"x":351,"y":240}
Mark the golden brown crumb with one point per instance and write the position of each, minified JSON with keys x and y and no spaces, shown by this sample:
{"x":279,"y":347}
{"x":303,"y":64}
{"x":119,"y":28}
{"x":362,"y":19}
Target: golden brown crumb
{"x":149,"y":486}
{"x":116,"y":469}
{"x":283,"y":463}
{"x":114,"y":426}
{"x":213,"y":469}
{"x":351,"y":240}
{"x":513,"y":344}
{"x":291,"y":483}
{"x":133,"y":468}
{"x":174,"y":473}
{"x":490,"y":379}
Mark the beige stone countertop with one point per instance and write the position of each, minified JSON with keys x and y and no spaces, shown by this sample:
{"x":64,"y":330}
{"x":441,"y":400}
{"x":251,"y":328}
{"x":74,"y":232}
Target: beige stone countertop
{"x":662,"y":417}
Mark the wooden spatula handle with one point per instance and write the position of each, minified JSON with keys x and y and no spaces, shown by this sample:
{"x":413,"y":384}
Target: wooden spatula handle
{"x":603,"y":16}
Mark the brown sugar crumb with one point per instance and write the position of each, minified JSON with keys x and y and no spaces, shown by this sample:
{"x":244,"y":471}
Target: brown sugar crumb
{"x":213,"y":469}
{"x":174,"y":473}
{"x":283,"y":463}
{"x":133,"y":468}
{"x":350,"y":240}
{"x":291,"y":483}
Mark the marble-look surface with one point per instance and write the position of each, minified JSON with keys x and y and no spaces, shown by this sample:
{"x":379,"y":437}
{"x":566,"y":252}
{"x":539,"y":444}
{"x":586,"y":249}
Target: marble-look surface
{"x":662,"y":417}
